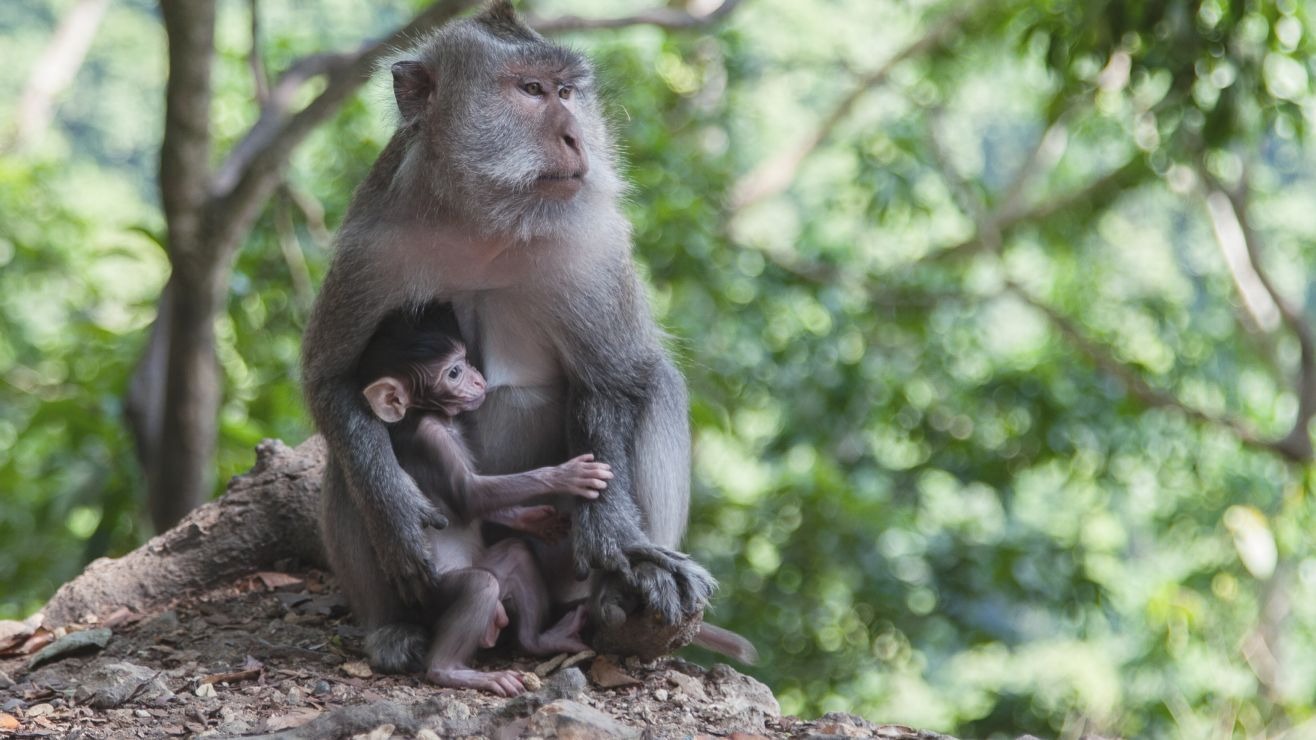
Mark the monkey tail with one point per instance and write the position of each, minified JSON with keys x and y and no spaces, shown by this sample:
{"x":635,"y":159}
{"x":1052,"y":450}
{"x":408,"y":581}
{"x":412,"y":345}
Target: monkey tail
{"x":726,"y":642}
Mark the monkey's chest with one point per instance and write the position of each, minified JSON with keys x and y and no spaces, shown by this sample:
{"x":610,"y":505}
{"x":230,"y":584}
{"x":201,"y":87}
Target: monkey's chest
{"x":513,"y":343}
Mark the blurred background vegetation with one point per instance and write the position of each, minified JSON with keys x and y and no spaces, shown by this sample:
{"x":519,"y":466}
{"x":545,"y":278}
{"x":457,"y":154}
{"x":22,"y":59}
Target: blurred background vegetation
{"x":995,"y":316}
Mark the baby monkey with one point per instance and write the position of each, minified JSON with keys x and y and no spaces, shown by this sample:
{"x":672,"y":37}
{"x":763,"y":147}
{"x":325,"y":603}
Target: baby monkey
{"x":417,"y":380}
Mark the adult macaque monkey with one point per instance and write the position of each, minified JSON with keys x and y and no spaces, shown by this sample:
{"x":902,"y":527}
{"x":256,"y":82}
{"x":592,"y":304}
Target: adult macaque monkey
{"x":499,"y":193}
{"x":416,"y":379}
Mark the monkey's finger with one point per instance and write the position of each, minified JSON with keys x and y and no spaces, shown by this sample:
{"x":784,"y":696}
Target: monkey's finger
{"x":587,"y":457}
{"x":434,"y":518}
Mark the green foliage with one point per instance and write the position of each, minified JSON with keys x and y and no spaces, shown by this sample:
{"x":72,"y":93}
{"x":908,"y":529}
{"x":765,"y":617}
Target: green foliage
{"x":922,"y":474}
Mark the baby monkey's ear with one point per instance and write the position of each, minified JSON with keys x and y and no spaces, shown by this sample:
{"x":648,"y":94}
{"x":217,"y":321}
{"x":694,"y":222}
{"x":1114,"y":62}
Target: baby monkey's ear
{"x":388,"y":398}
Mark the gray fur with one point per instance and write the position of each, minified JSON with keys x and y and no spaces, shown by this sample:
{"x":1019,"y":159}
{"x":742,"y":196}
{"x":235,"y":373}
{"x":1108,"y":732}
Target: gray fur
{"x":550,"y":307}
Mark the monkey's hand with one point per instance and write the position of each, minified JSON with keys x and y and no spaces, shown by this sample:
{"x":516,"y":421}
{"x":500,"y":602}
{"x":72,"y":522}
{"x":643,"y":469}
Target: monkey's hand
{"x":581,"y":476}
{"x":667,"y":583}
{"x":404,"y":553}
{"x":671,"y":584}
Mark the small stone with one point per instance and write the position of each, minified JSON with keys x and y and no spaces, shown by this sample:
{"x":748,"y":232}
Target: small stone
{"x":322,"y":687}
{"x":691,"y":686}
{"x":531,"y":681}
{"x":40,"y":710}
{"x":205,"y":691}
{"x":295,"y":696}
{"x":5,"y":680}
{"x":426,"y":733}
{"x":660,"y":694}
{"x":456,"y":711}
{"x":566,"y":718}
{"x":383,"y":732}
{"x":71,"y":644}
{"x":356,"y":669}
{"x":141,"y":714}
{"x":112,"y":684}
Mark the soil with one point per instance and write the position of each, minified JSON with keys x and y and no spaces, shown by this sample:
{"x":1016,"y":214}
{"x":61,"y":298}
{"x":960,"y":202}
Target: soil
{"x":275,"y":654}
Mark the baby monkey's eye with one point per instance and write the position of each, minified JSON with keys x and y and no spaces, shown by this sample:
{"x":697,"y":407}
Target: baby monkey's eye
{"x":455,"y":372}
{"x":533,"y":88}
{"x":565,"y":92}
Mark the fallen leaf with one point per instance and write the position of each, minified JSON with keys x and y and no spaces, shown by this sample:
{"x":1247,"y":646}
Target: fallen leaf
{"x":13,"y":634}
{"x":290,"y":720}
{"x":550,"y":665}
{"x":8,"y":722}
{"x":577,"y":658}
{"x":356,"y":669}
{"x":608,"y":675}
{"x":121,"y":616}
{"x":275,"y":581}
{"x":40,"y":710}
{"x":205,"y":690}
{"x":251,"y":670}
{"x":38,"y":640}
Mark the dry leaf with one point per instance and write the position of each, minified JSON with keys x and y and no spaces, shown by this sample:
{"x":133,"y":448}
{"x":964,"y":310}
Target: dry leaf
{"x":275,"y":581}
{"x":290,"y":720}
{"x":205,"y":691}
{"x":356,"y":669}
{"x":608,"y":675}
{"x":8,"y":722}
{"x":13,"y":634}
{"x":251,"y":670}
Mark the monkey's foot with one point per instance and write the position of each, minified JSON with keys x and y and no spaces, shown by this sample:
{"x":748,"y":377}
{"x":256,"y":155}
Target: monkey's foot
{"x":563,"y":637}
{"x":502,"y":683}
{"x":397,"y":648}
{"x":647,"y":635}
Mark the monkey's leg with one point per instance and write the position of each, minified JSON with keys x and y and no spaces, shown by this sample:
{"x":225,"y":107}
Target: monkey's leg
{"x":395,"y":637}
{"x":523,"y":588}
{"x":472,"y":598}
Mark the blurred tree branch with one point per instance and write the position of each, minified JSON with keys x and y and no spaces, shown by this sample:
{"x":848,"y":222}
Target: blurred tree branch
{"x":662,"y":17}
{"x":988,"y":236}
{"x":54,"y":69}
{"x":773,"y":176}
{"x":1231,"y":219}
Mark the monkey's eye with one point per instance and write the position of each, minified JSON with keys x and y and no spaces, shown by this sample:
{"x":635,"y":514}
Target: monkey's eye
{"x":455,"y":372}
{"x":565,"y":91}
{"x":533,"y":88}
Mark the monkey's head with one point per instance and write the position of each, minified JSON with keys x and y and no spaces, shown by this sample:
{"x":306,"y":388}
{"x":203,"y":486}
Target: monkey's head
{"x":507,"y":127}
{"x":416,"y":360}
{"x":447,"y":384}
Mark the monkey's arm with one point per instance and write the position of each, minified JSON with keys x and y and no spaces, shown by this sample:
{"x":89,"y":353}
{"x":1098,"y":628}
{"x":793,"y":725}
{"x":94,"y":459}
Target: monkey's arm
{"x":580,"y":476}
{"x":627,"y":404}
{"x":395,"y":512}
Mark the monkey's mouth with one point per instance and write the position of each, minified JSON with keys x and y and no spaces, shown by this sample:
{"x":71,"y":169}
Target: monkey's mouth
{"x":560,"y":185}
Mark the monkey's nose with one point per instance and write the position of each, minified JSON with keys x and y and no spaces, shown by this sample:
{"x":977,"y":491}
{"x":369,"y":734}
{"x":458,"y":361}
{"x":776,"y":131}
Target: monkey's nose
{"x":571,"y":136}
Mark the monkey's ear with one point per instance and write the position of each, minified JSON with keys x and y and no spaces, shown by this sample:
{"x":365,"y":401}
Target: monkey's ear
{"x":412,"y":87}
{"x":388,"y":398}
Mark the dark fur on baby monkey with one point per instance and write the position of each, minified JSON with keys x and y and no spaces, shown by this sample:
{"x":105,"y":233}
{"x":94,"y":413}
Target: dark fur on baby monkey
{"x":417,"y":379}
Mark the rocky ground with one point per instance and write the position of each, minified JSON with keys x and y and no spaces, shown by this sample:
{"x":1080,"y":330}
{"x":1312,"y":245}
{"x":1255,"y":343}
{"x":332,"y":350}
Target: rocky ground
{"x":275,"y":655}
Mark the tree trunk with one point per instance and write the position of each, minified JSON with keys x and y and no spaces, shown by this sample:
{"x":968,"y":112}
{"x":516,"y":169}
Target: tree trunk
{"x":268,"y":515}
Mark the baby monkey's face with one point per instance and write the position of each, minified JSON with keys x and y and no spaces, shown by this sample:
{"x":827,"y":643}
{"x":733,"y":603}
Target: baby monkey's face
{"x":457,"y":385}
